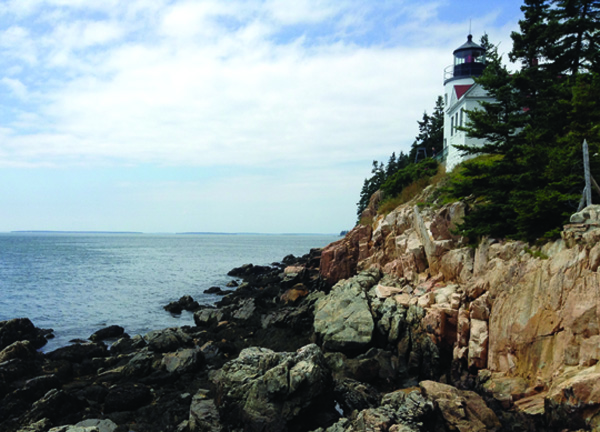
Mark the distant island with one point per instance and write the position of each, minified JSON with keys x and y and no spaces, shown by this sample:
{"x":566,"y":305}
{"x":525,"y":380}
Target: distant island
{"x":74,"y":232}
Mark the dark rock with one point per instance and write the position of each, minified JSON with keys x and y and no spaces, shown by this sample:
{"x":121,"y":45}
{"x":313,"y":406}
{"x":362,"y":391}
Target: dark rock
{"x":289,"y":259}
{"x":127,"y":397}
{"x":35,"y":388}
{"x":110,"y":332}
{"x":184,"y":303}
{"x":232,"y":284}
{"x":22,"y":329}
{"x":215,"y":290}
{"x":354,"y":395}
{"x":22,"y":350}
{"x":56,"y":405}
{"x":208,"y":316}
{"x":77,"y":353}
{"x":167,"y":340}
{"x":245,"y":310}
{"x":376,"y":366}
{"x":184,"y":361}
{"x":140,"y":365}
{"x":204,"y":415}
{"x":94,"y":393}
{"x":249,"y":270}
{"x":126,"y":345}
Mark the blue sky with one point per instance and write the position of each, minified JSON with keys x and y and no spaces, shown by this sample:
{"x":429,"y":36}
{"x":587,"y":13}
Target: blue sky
{"x":236,"y":116}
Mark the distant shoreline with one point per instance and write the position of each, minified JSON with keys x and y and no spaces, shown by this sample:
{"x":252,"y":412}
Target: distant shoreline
{"x":177,"y":233}
{"x":73,"y":232}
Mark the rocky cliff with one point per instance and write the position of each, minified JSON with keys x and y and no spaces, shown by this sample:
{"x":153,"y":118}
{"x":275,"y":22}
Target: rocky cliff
{"x":519,"y":324}
{"x":398,"y":327}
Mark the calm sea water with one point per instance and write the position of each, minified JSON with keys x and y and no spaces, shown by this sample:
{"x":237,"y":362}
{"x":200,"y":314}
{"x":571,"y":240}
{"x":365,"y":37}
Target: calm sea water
{"x":79,"y":283}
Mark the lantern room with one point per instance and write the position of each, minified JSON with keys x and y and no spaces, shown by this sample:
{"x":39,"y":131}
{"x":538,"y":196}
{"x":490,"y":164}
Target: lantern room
{"x":469,"y":61}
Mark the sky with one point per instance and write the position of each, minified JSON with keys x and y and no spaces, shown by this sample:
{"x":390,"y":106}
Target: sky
{"x":216,"y":116}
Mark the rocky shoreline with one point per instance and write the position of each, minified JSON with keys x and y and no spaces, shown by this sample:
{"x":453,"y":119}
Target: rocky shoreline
{"x":267,"y":357}
{"x":369,"y":334}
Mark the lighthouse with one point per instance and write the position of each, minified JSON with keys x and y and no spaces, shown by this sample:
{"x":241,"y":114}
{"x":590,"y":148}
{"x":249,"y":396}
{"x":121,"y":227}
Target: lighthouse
{"x":461,"y":94}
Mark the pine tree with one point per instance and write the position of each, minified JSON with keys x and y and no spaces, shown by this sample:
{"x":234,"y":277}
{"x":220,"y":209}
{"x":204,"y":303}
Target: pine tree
{"x":576,"y":30}
{"x":431,"y":132}
{"x":525,"y":186}
{"x":370,"y":186}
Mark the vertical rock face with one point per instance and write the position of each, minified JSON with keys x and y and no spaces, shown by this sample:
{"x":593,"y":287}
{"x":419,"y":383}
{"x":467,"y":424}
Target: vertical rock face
{"x":339,"y":259}
{"x":528,"y":316}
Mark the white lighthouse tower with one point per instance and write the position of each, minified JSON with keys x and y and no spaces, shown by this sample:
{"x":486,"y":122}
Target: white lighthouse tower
{"x":461,"y":93}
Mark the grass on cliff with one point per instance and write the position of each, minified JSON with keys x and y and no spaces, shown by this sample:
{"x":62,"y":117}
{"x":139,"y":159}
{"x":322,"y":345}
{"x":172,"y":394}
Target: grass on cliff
{"x":415,"y":189}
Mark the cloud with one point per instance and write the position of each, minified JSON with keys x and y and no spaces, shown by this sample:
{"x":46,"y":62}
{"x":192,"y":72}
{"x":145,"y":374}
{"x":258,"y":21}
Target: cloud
{"x":16,"y":87}
{"x":16,"y":43}
{"x":201,"y":90}
{"x":269,"y":102}
{"x":302,"y":11}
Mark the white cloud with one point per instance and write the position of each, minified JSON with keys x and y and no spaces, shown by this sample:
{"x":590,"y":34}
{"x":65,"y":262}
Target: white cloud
{"x":234,"y":96}
{"x":16,"y":42}
{"x":191,"y":106}
{"x":16,"y":87}
{"x":302,"y":11}
{"x":188,"y":19}
{"x":309,"y":86}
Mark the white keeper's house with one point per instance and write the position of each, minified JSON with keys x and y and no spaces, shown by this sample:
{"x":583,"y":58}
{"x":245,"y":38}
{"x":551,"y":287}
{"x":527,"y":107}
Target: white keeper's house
{"x":461,"y":93}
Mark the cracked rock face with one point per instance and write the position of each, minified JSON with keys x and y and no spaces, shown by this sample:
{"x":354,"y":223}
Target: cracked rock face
{"x":265,"y":390}
{"x":343,"y":319}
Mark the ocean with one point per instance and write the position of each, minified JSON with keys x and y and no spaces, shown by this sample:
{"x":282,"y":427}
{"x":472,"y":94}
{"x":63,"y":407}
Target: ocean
{"x":77,"y":283}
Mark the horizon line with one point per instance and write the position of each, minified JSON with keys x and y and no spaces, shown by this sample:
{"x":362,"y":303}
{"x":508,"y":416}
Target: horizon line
{"x":157,"y":232}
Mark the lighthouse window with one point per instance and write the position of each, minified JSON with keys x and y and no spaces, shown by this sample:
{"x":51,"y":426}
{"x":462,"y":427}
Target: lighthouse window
{"x":461,"y":116}
{"x":452,"y":126}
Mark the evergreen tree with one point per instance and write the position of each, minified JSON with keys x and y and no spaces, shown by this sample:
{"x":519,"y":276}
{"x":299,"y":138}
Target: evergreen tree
{"x":576,"y":30}
{"x":431,"y":132}
{"x":530,"y":44}
{"x":370,"y":186}
{"x":525,"y":187}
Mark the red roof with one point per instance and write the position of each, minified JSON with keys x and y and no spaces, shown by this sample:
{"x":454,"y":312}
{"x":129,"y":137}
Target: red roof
{"x":461,"y":89}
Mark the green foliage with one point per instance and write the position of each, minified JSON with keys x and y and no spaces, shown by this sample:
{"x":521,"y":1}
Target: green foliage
{"x":532,"y":181}
{"x":431,"y":132}
{"x":379,"y":175}
{"x":536,"y":253}
{"x":394,"y":185}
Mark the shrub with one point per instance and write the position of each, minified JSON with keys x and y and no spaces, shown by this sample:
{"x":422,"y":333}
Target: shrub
{"x":394,"y":185}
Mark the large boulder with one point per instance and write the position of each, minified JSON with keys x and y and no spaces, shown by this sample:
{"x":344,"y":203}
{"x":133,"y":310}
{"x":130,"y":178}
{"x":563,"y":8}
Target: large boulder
{"x":110,"y":332}
{"x":400,"y":411}
{"x":461,"y":410}
{"x":22,"y":329}
{"x":265,"y":390}
{"x":184,"y":303}
{"x":183,"y":361}
{"x":105,"y":425}
{"x":78,"y":352}
{"x":127,"y":397}
{"x":167,"y":340}
{"x":22,"y":350}
{"x":204,"y":416}
{"x":343,"y":319}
